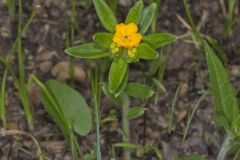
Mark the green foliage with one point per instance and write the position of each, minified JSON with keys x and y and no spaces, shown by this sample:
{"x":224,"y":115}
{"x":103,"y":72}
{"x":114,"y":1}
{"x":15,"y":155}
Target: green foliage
{"x":122,"y":86}
{"x":90,"y":50}
{"x":103,"y":39}
{"x":157,"y":40}
{"x":172,"y":109}
{"x":68,"y":109}
{"x":230,"y":18}
{"x":190,"y":116}
{"x":135,"y":13}
{"x":105,"y":15}
{"x":89,"y":157}
{"x":11,"y":7}
{"x":2,"y":98}
{"x":224,"y":97}
{"x":236,"y":126}
{"x":147,"y":17}
{"x":154,"y":22}
{"x":53,"y":109}
{"x":226,"y":104}
{"x":113,"y":4}
{"x":72,"y":105}
{"x":159,"y":85}
{"x":219,"y":50}
{"x":230,"y":14}
{"x":110,"y":95}
{"x":117,"y":73}
{"x":146,"y":52}
{"x":135,"y":112}
{"x":24,"y":96}
{"x":158,"y":153}
{"x":139,"y":90}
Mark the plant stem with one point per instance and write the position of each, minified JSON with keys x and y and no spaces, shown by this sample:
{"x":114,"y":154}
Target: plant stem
{"x":96,"y":93}
{"x":154,"y":22}
{"x":189,"y":120}
{"x":125,"y":123}
{"x":172,"y":109}
{"x":223,"y":153}
{"x":19,"y":44}
{"x":70,"y":41}
{"x":229,"y":146}
{"x":2,"y":96}
{"x":22,"y":89}
{"x":96,"y":108}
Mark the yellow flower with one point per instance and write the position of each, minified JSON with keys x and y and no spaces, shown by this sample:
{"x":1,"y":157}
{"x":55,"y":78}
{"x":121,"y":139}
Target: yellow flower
{"x":126,"y":35}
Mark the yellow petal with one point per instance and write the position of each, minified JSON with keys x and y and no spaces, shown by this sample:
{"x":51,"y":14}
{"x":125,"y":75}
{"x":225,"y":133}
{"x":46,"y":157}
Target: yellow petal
{"x":135,"y":38}
{"x":121,"y":29}
{"x":131,"y":28}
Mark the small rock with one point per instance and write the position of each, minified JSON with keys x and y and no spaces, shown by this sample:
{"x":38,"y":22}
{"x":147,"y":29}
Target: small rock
{"x":181,"y":115}
{"x":45,"y":66}
{"x":162,"y":121}
{"x":235,"y":70}
{"x":184,"y":89}
{"x":61,"y":72}
{"x":44,"y":56}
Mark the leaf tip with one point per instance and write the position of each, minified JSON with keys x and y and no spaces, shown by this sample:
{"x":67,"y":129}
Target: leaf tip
{"x":67,"y":51}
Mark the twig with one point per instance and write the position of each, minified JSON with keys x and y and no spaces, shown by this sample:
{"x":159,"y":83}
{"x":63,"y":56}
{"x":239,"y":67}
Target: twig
{"x":4,"y":132}
{"x":203,"y":20}
{"x":184,"y":23}
{"x":223,"y":7}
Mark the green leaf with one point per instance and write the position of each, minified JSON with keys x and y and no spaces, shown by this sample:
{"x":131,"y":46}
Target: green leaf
{"x":158,"y":153}
{"x":73,"y":106}
{"x":51,"y":106}
{"x":193,"y":157}
{"x":157,"y":40}
{"x":221,"y":121}
{"x":135,"y":112}
{"x":146,"y":52}
{"x":127,"y":145}
{"x":117,"y":72}
{"x":236,"y":126}
{"x":122,"y":86}
{"x":147,"y":17}
{"x":111,"y":96}
{"x":103,"y":39}
{"x":159,"y":85}
{"x":105,"y":15}
{"x":90,"y":50}
{"x":224,"y":98}
{"x":89,"y":157}
{"x":139,"y":90}
{"x":54,"y":113}
{"x":2,"y":98}
{"x":134,"y":13}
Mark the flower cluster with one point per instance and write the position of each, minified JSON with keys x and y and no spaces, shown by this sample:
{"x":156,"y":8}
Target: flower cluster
{"x":126,"y":36}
